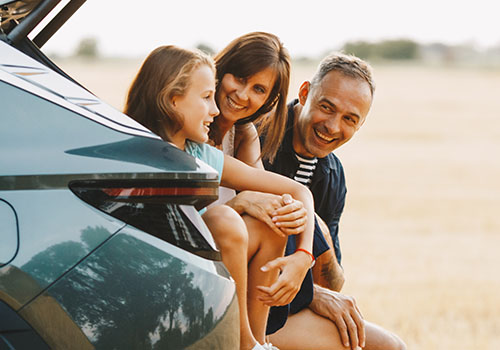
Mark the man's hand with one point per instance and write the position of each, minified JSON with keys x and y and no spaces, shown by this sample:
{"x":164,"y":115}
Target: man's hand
{"x":343,"y":311}
{"x":283,"y":214}
{"x":293,"y":270}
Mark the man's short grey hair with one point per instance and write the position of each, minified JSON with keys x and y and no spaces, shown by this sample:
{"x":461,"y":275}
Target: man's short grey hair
{"x":349,"y":65}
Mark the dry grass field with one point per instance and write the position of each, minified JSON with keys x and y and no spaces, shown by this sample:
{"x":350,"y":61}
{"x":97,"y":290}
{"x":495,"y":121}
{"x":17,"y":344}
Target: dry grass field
{"x":421,"y":228}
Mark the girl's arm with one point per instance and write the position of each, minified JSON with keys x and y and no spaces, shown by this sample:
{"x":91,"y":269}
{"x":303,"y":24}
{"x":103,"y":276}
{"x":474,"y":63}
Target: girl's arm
{"x":239,"y":176}
{"x":280,"y":214}
{"x":283,"y":214}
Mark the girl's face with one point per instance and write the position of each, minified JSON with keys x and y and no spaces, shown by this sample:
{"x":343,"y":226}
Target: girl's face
{"x":239,"y":98}
{"x":197,"y":106}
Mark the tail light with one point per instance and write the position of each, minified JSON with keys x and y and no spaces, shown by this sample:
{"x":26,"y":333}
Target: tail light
{"x":162,"y":208}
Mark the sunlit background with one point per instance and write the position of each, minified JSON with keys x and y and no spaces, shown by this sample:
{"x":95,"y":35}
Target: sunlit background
{"x":420,"y":231}
{"x":308,"y":28}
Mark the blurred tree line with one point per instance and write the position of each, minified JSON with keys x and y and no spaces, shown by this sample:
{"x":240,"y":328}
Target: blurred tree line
{"x":409,"y":50}
{"x":402,"y":49}
{"x":383,"y":50}
{"x":88,"y":47}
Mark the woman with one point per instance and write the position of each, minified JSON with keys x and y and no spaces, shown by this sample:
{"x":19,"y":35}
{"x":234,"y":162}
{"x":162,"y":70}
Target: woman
{"x":253,"y":74}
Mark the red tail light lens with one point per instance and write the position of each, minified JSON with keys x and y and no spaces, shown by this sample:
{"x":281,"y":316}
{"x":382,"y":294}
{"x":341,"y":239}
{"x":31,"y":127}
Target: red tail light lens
{"x":132,"y":193}
{"x":162,"y":208}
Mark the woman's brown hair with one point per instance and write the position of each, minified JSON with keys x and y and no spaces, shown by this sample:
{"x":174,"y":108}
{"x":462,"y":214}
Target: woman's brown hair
{"x":165,"y":73}
{"x":246,"y":56}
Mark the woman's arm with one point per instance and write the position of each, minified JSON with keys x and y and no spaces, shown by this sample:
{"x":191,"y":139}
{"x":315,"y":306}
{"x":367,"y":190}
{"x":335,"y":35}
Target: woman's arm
{"x":279,"y":213}
{"x":247,"y":145}
{"x":239,"y":176}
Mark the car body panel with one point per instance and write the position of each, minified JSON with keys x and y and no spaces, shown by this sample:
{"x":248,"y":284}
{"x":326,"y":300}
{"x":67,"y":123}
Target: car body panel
{"x":137,"y":292}
{"x":51,"y":222}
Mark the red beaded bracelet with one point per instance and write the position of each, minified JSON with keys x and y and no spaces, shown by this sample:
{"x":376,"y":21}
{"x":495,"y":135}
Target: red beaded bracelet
{"x":312,"y":256}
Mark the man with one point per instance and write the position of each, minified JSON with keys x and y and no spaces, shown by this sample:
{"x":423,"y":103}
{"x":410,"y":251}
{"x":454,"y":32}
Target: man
{"x":328,"y":112}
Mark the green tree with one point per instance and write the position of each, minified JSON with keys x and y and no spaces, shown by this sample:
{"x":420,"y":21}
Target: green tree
{"x":361,"y":49}
{"x":87,"y":47}
{"x":401,"y":49}
{"x":206,"y":49}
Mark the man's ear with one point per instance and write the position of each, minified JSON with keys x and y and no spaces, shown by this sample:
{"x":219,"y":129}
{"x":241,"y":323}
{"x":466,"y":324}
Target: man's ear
{"x":304,"y":92}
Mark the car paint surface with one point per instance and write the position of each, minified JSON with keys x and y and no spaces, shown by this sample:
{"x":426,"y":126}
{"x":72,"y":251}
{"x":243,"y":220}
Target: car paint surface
{"x":137,"y":292}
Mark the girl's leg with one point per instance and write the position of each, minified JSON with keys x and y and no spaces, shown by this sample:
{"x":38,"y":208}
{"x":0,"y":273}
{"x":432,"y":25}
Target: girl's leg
{"x":231,"y":236}
{"x":264,"y":245}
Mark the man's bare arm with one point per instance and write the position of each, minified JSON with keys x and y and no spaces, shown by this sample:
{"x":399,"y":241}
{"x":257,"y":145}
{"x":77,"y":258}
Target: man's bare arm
{"x":327,"y":272}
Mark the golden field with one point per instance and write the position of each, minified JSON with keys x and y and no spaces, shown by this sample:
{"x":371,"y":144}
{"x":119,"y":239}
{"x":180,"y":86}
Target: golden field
{"x":421,"y":228}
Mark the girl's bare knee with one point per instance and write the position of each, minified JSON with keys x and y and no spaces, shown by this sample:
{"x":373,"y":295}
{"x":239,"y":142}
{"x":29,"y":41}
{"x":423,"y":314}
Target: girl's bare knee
{"x":226,"y":225}
{"x":260,"y":230}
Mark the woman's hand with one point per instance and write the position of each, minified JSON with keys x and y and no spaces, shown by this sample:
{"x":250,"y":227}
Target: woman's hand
{"x":283,"y":214}
{"x":293,"y":270}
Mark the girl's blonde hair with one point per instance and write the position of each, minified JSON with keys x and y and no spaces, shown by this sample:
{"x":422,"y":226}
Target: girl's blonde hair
{"x":165,"y":73}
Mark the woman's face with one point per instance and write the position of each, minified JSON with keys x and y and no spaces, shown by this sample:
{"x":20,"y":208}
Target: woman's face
{"x":239,"y":98}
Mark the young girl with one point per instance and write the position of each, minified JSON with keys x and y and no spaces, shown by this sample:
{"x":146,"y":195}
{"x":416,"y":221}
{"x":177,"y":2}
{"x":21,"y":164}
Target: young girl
{"x":173,"y":95}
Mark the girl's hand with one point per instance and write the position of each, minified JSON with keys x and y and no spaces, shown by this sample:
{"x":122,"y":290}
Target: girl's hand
{"x":291,"y":217}
{"x":283,"y":214}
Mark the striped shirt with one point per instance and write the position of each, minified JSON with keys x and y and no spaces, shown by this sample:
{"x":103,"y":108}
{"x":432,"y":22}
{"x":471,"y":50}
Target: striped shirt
{"x":305,"y":170}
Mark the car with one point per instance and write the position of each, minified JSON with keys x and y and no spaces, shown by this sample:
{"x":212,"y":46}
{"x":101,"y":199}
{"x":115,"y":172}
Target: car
{"x":101,"y":242}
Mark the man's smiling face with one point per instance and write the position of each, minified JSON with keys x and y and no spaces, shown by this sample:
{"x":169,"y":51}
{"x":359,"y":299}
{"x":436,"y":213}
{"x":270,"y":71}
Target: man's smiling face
{"x":332,"y":111}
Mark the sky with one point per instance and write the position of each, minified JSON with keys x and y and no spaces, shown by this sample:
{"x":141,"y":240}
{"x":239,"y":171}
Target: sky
{"x":307,"y":28}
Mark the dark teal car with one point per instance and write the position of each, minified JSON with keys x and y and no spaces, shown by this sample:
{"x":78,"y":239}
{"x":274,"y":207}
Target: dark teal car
{"x":101,"y":243}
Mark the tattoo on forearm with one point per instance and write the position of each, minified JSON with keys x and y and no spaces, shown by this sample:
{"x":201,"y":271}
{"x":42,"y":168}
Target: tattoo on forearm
{"x":331,"y":276}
